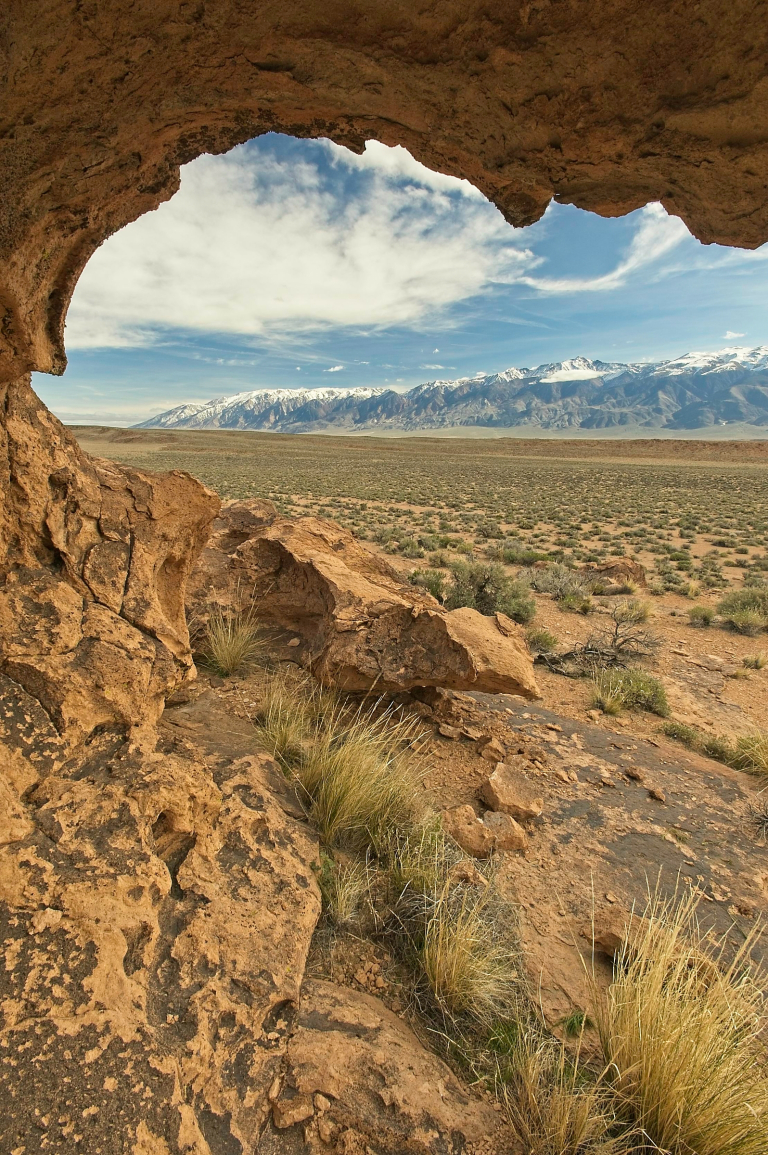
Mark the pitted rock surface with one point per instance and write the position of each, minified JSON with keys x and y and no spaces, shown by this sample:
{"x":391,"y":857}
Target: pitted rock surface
{"x":94,"y":558}
{"x":156,"y":921}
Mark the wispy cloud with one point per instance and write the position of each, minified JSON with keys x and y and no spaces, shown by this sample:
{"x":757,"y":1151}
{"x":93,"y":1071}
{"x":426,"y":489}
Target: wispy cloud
{"x":656,"y":236}
{"x":729,"y":335}
{"x":263,"y":247}
{"x":334,"y":369}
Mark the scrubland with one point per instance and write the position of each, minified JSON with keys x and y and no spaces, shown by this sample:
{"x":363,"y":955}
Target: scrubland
{"x":668,"y":1053}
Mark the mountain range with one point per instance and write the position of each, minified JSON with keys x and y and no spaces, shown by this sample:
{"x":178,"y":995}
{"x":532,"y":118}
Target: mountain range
{"x":695,"y":391}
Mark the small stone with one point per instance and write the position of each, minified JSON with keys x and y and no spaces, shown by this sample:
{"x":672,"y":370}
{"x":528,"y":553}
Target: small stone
{"x":635,"y":774}
{"x":562,"y":776}
{"x":553,"y":726}
{"x":294,"y":642}
{"x":287,"y":1112}
{"x":594,"y":715}
{"x":659,"y":795}
{"x":465,"y":828}
{"x":510,"y":792}
{"x":321,"y":1103}
{"x":449,"y":731}
{"x":507,"y":834}
{"x":326,"y":1131}
{"x":491,"y":749}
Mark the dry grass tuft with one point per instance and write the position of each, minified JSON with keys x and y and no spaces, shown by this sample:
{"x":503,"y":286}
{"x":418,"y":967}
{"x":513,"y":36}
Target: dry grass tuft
{"x":616,"y":690}
{"x":233,"y":641}
{"x":343,"y":886}
{"x":356,"y":768}
{"x":680,"y":1031}
{"x":557,"y":1107}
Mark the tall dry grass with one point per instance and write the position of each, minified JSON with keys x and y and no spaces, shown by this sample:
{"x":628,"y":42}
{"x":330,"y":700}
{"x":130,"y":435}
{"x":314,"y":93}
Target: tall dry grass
{"x":232,"y":641}
{"x":356,"y":768}
{"x":680,"y":1029}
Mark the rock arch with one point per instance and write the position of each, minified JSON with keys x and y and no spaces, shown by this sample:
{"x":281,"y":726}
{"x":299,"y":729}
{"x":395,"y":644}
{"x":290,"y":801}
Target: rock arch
{"x":605,"y":104}
{"x":174,"y":973}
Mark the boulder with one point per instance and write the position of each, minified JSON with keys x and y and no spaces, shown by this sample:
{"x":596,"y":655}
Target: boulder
{"x":465,"y":828}
{"x":361,"y":625}
{"x":491,"y":749}
{"x":510,"y":792}
{"x":506,"y":833}
{"x":618,"y":571}
{"x":382,"y":1089}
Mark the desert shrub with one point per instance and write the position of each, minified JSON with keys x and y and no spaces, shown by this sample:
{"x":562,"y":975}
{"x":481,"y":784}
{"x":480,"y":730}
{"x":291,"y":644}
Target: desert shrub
{"x":233,"y":641}
{"x":682,"y":733}
{"x":487,"y":588}
{"x":560,"y":581}
{"x":701,"y":616}
{"x":718,"y":748}
{"x":633,"y":611}
{"x":431,"y":580}
{"x":616,"y":690}
{"x":755,"y":661}
{"x":515,"y":553}
{"x":576,"y":603}
{"x":679,"y":1031}
{"x":745,"y":610}
{"x":540,"y":641}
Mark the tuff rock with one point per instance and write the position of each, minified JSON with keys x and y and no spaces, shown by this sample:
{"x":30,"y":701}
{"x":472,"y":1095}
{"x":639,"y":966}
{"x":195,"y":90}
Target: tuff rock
{"x":362,"y":627}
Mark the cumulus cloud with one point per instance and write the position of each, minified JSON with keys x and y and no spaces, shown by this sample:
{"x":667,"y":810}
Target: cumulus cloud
{"x":657,"y":234}
{"x":729,"y":335}
{"x":334,"y":369}
{"x":263,"y":247}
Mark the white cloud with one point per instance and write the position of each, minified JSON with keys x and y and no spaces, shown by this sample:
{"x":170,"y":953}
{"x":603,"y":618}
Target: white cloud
{"x":334,"y":369}
{"x":260,"y":247}
{"x":657,"y":234}
{"x":729,"y":335}
{"x":432,"y":366}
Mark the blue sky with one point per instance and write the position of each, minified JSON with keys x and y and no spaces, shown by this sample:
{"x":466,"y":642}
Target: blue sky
{"x":291,"y":264}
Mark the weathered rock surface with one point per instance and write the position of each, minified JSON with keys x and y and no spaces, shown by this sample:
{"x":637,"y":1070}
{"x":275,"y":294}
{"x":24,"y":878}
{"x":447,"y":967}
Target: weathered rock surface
{"x":509,"y":791}
{"x":382,"y":1090}
{"x":506,"y":833}
{"x":466,"y":829}
{"x":94,"y":558}
{"x":156,"y":920}
{"x":361,"y":625}
{"x":606,"y":105}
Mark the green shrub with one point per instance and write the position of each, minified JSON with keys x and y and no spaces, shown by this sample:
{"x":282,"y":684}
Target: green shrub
{"x":616,"y":690}
{"x":486,"y":587}
{"x":431,"y":580}
{"x":746,"y":610}
{"x":576,"y":603}
{"x":682,"y":733}
{"x":540,"y":641}
{"x":701,"y":616}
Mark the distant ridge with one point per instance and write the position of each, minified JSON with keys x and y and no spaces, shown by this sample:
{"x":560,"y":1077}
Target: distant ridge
{"x":695,"y":391}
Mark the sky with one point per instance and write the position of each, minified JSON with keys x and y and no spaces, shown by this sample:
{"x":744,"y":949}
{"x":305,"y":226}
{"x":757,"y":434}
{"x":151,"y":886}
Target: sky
{"x":298,"y":264}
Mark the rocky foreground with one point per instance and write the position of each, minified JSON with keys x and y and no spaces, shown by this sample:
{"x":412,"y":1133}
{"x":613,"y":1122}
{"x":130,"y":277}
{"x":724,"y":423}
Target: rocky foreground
{"x":156,"y":875}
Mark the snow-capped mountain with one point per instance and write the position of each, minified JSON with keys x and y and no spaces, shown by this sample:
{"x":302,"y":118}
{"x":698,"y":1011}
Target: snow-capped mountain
{"x":259,"y":409}
{"x":689,"y":392}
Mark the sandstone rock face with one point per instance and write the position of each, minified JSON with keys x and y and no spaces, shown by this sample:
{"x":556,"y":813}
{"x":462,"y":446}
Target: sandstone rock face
{"x":94,"y":559}
{"x":606,"y":105}
{"x":361,"y":625}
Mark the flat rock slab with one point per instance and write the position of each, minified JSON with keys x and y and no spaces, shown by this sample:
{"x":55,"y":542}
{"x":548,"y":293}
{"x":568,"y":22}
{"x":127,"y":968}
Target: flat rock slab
{"x":605,"y":840}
